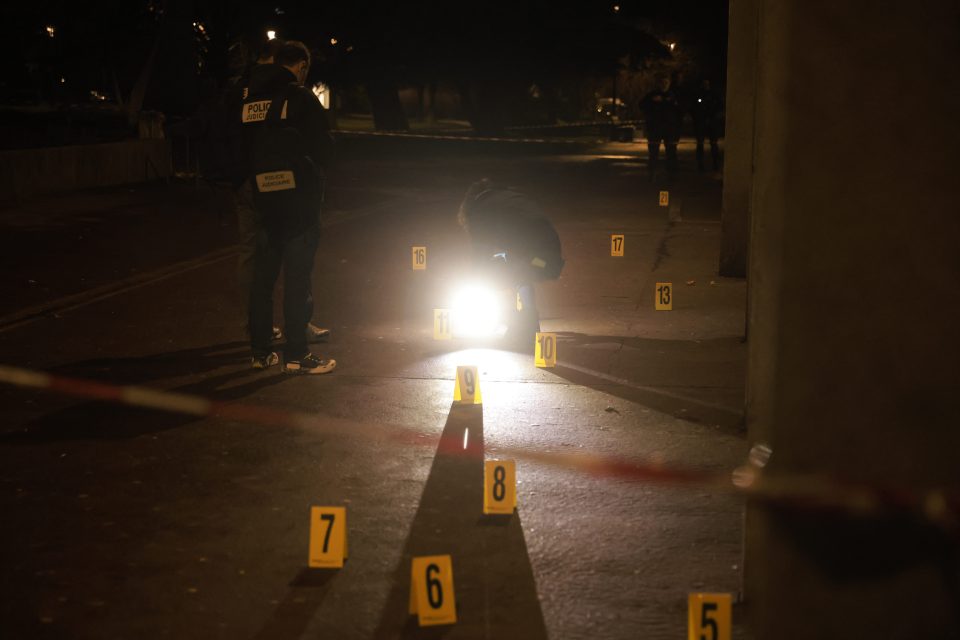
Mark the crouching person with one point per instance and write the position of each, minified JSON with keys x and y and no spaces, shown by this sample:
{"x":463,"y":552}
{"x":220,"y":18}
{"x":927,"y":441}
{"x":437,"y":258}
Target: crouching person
{"x":513,"y":242}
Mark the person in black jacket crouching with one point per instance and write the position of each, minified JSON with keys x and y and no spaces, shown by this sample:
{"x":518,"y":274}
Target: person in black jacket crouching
{"x":513,"y":243}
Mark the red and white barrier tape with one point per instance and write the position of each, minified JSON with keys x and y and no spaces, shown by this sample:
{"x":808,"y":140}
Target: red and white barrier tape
{"x":937,"y":506}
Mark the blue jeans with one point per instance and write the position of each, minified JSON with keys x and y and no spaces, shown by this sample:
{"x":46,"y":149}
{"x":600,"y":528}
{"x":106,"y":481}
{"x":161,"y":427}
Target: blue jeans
{"x":295,"y":254}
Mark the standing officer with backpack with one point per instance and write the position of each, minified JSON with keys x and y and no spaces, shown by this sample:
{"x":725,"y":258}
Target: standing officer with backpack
{"x":288,"y":142}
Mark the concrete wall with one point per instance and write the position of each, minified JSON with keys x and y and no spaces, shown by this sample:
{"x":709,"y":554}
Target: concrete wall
{"x":24,"y":172}
{"x":854,"y":311}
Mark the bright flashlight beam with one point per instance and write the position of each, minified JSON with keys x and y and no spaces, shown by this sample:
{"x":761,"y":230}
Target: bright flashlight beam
{"x":475,"y":311}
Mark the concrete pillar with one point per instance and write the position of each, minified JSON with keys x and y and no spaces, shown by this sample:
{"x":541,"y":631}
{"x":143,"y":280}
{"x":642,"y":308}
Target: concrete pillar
{"x":738,"y":136}
{"x":854,"y":311}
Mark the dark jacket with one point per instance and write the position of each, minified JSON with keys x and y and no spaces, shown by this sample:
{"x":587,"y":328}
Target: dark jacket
{"x":705,"y":111}
{"x":662,"y":115}
{"x":304,"y":111}
{"x":285,"y":131}
{"x":502,"y":220}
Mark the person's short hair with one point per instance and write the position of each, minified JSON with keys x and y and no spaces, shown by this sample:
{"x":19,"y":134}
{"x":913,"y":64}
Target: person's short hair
{"x":292,"y":52}
{"x":268,"y":50}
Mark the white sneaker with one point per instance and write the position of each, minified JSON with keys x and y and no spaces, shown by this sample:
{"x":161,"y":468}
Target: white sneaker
{"x":316,"y":334}
{"x":264,"y":362}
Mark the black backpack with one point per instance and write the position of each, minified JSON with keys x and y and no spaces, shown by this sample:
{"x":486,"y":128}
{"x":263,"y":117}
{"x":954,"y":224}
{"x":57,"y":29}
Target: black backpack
{"x":287,"y":186}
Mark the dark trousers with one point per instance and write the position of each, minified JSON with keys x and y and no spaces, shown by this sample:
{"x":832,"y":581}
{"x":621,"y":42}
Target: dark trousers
{"x":653,"y":154}
{"x":714,"y":150}
{"x":248,"y":222}
{"x":295,"y":254}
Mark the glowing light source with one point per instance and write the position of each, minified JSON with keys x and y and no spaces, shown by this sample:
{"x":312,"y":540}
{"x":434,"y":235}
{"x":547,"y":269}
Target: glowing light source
{"x":333,"y":41}
{"x":475,"y":311}
{"x":616,"y":8}
{"x":271,"y":34}
{"x":51,"y":30}
{"x":672,"y":45}
{"x":322,"y":92}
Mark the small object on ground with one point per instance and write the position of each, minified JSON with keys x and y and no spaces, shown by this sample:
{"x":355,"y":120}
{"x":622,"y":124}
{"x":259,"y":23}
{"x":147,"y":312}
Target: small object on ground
{"x":713,"y":283}
{"x":611,"y":410}
{"x":690,"y":283}
{"x":276,"y":333}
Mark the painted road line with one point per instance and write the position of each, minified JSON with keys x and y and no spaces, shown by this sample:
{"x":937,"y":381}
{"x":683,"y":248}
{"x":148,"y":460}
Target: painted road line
{"x":90,"y":296}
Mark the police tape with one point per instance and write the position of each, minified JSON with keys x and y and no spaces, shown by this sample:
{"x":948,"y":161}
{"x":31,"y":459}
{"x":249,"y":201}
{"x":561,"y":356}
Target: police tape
{"x":809,"y":492}
{"x":456,"y":138}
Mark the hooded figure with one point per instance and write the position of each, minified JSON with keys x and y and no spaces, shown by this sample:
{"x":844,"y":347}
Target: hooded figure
{"x":514,"y":244}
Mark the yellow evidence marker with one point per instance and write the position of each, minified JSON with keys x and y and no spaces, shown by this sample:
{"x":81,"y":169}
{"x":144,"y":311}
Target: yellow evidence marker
{"x":441,"y":324}
{"x":431,"y":591}
{"x":616,"y":245}
{"x":709,"y":616}
{"x":328,"y":537}
{"x":663,"y":296}
{"x":467,"y":389}
{"x":419,"y":258}
{"x":664,"y":198}
{"x":499,"y":486}
{"x":545,"y":351}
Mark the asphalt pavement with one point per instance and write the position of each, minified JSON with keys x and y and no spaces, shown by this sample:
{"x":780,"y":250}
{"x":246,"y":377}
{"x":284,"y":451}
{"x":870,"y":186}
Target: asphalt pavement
{"x":122,"y":522}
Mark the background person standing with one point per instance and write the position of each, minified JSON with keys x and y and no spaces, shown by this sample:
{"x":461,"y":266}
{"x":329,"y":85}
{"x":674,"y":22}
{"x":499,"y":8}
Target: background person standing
{"x":705,"y":110}
{"x":661,"y":112}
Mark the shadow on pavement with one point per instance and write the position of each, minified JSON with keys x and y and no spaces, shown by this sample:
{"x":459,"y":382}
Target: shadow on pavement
{"x":580,"y":365}
{"x":293,"y":615}
{"x":496,"y":593}
{"x":98,"y":420}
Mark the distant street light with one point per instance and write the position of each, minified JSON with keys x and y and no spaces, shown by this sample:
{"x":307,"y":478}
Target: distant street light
{"x":271,"y":34}
{"x":616,"y":8}
{"x":673,"y":46}
{"x":333,"y":41}
{"x":51,"y":30}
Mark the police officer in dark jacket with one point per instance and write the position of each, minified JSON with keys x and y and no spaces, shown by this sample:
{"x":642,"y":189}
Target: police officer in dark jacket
{"x":288,"y":141}
{"x":662,"y":115}
{"x":512,"y":241}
